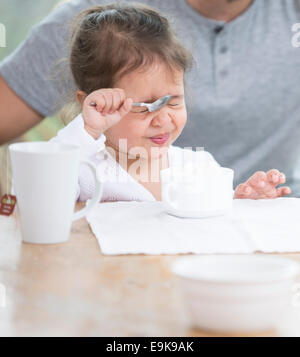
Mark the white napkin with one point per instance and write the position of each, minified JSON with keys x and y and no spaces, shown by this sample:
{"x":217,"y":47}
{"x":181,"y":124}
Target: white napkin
{"x":144,"y":227}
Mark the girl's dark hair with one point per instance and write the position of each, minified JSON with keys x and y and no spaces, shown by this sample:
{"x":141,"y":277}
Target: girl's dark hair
{"x":110,"y":41}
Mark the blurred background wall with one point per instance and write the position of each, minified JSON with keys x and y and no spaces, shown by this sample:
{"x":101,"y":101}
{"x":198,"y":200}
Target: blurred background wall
{"x":19,"y":16}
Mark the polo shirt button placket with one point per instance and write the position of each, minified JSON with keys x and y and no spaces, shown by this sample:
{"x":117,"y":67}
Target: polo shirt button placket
{"x":218,"y":29}
{"x":222,"y":60}
{"x":223,"y":73}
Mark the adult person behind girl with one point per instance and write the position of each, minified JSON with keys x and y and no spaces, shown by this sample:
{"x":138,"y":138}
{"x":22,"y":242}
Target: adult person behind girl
{"x":242,"y":96}
{"x":134,"y":56}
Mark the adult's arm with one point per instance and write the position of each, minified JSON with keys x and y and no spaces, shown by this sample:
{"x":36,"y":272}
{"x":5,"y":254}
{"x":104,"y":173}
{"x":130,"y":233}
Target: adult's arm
{"x":32,"y":86}
{"x":16,"y":116}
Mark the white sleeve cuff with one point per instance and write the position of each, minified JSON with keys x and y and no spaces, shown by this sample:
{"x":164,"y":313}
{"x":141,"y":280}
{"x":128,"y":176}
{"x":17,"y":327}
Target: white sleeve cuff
{"x":74,"y":133}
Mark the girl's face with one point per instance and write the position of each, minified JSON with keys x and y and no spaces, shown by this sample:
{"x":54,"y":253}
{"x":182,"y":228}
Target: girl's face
{"x":144,"y":130}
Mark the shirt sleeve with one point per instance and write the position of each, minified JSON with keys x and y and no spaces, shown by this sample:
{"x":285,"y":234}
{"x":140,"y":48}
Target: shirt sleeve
{"x":75,"y":134}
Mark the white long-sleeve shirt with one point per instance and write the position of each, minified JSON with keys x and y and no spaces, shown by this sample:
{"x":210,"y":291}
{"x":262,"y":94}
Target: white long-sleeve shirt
{"x":118,"y":185}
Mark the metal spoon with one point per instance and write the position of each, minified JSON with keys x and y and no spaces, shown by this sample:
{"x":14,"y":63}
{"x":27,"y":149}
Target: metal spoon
{"x":158,"y":104}
{"x":152,"y":107}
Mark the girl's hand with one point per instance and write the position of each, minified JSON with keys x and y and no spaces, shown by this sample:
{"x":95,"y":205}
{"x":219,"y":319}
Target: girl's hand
{"x":111,"y":105}
{"x":263,"y":185}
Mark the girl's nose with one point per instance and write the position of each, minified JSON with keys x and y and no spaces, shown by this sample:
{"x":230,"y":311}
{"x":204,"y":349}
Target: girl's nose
{"x":161,"y":118}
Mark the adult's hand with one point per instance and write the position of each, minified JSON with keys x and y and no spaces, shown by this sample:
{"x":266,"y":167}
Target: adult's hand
{"x":16,"y":116}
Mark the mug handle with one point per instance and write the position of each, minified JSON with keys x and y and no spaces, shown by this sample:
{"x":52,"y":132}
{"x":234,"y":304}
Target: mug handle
{"x":97,"y":194}
{"x":169,"y":201}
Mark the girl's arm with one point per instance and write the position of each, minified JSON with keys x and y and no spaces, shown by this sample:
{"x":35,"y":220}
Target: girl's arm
{"x":86,"y":131}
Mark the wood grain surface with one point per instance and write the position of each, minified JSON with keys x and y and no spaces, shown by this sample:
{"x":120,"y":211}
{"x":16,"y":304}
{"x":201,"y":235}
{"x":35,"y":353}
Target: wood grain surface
{"x":71,"y":289}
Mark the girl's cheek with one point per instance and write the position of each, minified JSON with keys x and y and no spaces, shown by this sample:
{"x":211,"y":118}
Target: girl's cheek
{"x":137,"y":128}
{"x":132,"y":131}
{"x":181,"y":119}
{"x":124,"y":129}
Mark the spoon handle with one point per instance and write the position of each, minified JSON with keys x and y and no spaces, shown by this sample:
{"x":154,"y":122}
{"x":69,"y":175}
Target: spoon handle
{"x":93,"y":104}
{"x":139,"y":104}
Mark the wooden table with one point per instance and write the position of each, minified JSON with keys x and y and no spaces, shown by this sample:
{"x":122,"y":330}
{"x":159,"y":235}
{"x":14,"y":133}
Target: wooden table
{"x":71,"y":289}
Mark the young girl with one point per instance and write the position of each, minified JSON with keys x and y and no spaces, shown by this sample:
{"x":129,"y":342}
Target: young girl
{"x":122,"y":54}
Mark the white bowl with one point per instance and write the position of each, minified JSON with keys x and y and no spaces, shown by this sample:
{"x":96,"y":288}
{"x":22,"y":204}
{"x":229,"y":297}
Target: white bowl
{"x":230,"y":293}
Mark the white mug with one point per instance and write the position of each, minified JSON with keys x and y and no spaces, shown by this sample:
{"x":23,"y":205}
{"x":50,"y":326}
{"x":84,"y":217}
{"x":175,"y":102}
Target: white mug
{"x":45,"y":176}
{"x":197,"y":190}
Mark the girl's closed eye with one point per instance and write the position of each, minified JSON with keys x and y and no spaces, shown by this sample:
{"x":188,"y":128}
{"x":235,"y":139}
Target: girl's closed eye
{"x":174,"y":105}
{"x":139,"y":110}
{"x":143,"y":110}
{"x":176,"y":101}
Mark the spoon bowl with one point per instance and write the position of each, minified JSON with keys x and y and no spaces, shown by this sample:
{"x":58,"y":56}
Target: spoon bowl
{"x":158,"y":104}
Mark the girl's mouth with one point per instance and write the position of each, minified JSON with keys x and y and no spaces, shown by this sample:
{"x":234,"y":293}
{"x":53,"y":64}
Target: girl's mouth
{"x":159,"y":139}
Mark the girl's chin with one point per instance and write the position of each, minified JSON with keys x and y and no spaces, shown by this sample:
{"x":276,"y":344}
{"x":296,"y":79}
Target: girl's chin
{"x":150,"y":153}
{"x":157,"y":152}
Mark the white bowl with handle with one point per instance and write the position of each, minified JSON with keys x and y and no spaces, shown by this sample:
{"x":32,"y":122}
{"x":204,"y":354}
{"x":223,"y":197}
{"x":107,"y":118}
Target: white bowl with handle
{"x":236,"y":293}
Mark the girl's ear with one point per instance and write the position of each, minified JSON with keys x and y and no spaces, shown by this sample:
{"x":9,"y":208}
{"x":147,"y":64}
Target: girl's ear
{"x":80,"y":97}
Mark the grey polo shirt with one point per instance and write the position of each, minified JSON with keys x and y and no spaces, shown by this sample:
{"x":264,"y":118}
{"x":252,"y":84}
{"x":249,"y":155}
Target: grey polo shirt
{"x":242,"y":94}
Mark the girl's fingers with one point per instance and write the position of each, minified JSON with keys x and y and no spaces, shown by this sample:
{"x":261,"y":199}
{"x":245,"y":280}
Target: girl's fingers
{"x":257,"y":180}
{"x":125,"y":108}
{"x":108,"y":102}
{"x":99,"y":101}
{"x":273,"y":176}
{"x":121,"y":94}
{"x":282,"y":178}
{"x":121,"y":98}
{"x":118,"y":97}
{"x":243,"y":190}
{"x":282,"y":191}
{"x":261,"y":185}
{"x":116,"y":102}
{"x":128,"y":104}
